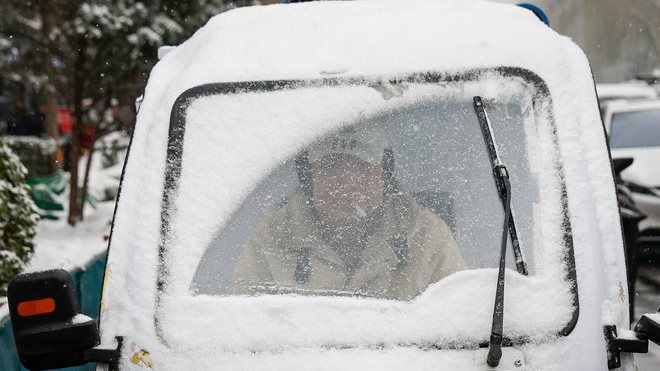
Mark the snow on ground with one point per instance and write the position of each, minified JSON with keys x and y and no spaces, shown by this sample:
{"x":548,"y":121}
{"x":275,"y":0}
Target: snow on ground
{"x":59,"y":245}
{"x":106,"y":165}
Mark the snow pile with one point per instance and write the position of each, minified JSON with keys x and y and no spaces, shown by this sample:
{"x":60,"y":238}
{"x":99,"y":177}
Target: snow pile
{"x":80,"y":318}
{"x":454,"y":313}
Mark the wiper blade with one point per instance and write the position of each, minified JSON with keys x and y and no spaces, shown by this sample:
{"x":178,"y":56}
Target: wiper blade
{"x":501,"y":176}
{"x":486,"y":131}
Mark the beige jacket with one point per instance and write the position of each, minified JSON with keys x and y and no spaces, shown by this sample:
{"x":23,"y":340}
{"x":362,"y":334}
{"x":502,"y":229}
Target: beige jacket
{"x":286,"y":254}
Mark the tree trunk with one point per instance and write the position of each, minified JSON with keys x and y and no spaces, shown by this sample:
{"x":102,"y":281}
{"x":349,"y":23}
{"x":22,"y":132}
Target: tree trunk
{"x":78,"y":86}
{"x":86,"y":180}
{"x":47,"y":69}
{"x":74,"y":209}
{"x":49,"y":91}
{"x":51,"y":123}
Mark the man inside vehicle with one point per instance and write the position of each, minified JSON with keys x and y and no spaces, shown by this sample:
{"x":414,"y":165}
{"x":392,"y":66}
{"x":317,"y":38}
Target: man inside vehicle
{"x":348,"y":229}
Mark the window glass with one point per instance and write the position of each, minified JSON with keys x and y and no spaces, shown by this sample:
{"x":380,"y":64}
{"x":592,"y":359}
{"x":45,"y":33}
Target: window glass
{"x":635,"y":129}
{"x":381,"y":207}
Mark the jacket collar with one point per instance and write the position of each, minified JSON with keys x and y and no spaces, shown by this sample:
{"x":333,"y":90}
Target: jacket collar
{"x":382,"y":253}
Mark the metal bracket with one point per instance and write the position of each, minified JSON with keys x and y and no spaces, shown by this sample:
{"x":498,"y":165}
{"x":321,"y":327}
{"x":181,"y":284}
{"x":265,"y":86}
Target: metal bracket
{"x":512,"y":359}
{"x":109,"y":356}
{"x":634,"y":342}
{"x":649,"y":327}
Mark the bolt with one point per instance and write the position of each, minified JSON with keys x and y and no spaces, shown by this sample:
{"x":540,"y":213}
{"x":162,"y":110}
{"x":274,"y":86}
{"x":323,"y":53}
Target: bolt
{"x":517,"y":363}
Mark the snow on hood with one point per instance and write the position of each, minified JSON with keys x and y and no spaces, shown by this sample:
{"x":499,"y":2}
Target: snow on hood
{"x":628,"y":90}
{"x":370,"y":38}
{"x":644,"y":169}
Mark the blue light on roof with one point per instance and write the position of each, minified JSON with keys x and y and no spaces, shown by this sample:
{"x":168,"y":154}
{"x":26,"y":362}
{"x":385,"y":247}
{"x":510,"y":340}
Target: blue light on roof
{"x":537,"y":11}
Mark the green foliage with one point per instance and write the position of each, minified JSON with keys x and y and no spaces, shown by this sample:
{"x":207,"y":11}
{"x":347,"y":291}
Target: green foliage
{"x":106,"y":47}
{"x":95,"y":51}
{"x":18,"y":217}
{"x":36,"y":154}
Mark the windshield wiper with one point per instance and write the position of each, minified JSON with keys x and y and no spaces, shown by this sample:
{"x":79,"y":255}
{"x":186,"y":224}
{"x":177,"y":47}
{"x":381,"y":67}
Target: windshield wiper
{"x":487,"y":132}
{"x":501,"y":177}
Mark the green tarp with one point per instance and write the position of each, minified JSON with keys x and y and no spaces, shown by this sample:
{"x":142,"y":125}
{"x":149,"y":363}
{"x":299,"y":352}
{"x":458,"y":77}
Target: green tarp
{"x":89,"y":281}
{"x":48,"y":194}
{"x":45,"y":189}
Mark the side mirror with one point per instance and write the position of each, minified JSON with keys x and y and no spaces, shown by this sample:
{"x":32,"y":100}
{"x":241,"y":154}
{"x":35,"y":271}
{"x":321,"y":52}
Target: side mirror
{"x":649,"y":325}
{"x":635,"y":341}
{"x":621,"y":164}
{"x":49,"y":330}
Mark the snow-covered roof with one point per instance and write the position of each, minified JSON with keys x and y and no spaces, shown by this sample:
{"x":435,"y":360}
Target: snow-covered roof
{"x":312,"y":40}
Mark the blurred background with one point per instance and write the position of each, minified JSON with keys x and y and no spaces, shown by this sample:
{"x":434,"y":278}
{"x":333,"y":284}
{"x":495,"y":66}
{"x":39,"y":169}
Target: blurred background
{"x":72,"y":73}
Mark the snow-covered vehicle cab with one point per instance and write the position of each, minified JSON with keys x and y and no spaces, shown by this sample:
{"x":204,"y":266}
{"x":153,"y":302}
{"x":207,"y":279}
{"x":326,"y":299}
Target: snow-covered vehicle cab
{"x":365,"y":185}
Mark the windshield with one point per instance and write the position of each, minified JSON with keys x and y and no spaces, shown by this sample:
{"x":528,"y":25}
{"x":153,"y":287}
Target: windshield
{"x":307,"y":209}
{"x":635,"y":129}
{"x":382,"y":207}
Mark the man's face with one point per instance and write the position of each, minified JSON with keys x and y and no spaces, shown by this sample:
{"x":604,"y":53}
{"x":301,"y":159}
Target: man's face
{"x":346,"y":188}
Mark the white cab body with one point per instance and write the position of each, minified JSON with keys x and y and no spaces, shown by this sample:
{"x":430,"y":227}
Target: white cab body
{"x":346,"y":40}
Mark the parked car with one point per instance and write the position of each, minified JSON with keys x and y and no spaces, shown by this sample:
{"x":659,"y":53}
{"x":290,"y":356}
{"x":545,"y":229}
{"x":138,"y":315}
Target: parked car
{"x":358,"y":185}
{"x":626,"y":91}
{"x":634,"y":132}
{"x":632,"y":90}
{"x":630,"y":218}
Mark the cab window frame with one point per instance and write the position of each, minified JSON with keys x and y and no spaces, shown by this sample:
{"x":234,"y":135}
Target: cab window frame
{"x":176,"y":133}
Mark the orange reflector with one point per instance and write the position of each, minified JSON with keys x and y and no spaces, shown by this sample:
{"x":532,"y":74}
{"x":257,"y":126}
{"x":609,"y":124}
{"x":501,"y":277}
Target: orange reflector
{"x":36,"y":307}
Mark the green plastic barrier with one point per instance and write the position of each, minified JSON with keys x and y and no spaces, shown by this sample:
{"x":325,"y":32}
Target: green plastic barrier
{"x":88,"y":281}
{"x":45,"y":190}
{"x":47,"y":193}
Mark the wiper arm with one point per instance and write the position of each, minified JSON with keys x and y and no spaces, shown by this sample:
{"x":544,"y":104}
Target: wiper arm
{"x":501,"y":176}
{"x":486,"y":131}
{"x":496,"y":337}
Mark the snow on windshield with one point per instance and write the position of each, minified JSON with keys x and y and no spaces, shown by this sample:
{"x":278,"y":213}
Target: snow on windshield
{"x":381,"y":192}
{"x":408,"y":195}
